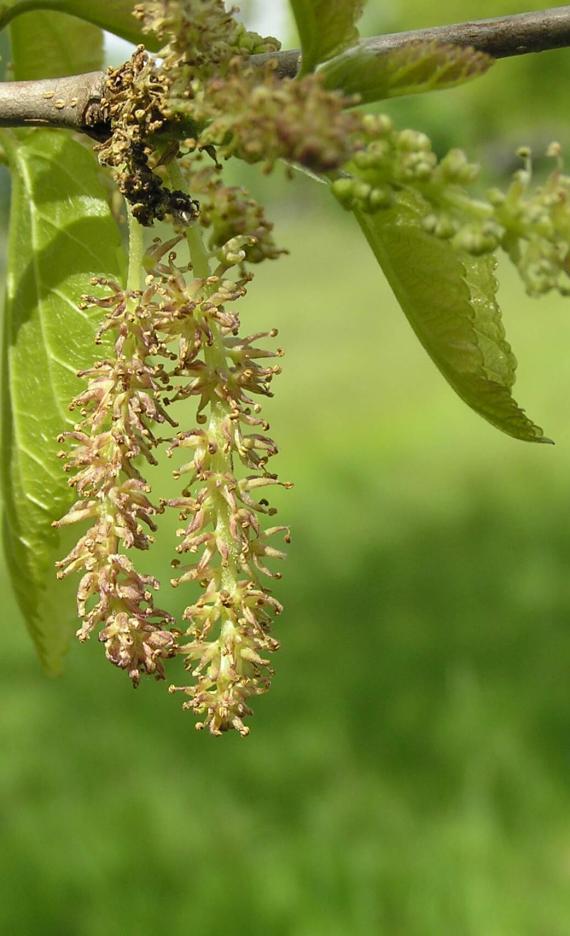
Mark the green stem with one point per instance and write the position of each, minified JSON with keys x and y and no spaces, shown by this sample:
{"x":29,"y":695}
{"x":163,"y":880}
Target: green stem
{"x":136,"y":252}
{"x":464,"y":203}
{"x":199,"y":257}
{"x":198,"y":253}
{"x":215,"y":359}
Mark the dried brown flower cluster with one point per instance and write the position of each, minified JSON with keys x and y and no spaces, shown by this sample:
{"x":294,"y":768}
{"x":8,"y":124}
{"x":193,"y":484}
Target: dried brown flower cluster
{"x":204,"y":91}
{"x":149,"y":104}
{"x":135,"y":106}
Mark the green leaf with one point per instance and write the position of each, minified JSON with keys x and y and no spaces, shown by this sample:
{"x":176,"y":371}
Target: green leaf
{"x":51,"y":45}
{"x":376,"y":74}
{"x":113,"y":15}
{"x":61,"y":232}
{"x":449,"y":299}
{"x":326,"y":27}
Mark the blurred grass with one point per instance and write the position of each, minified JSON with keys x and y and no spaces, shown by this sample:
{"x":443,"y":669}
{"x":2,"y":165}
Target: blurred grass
{"x":408,"y":773}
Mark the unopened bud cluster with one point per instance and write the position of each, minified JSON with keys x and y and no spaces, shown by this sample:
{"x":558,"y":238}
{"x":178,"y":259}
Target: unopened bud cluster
{"x":267,"y":118}
{"x":536,"y":222}
{"x":532,"y":224}
{"x":199,"y":39}
{"x":227,"y":212}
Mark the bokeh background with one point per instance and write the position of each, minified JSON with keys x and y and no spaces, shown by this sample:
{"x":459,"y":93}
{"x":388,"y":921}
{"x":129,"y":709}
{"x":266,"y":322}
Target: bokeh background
{"x":408,"y":773}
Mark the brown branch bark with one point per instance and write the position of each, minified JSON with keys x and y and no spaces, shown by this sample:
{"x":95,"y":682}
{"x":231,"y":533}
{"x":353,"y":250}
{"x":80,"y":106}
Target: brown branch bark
{"x":72,"y":102}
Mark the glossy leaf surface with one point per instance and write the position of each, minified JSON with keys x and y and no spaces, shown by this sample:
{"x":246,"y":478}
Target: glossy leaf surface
{"x":375,"y":74}
{"x":450,"y":301}
{"x":51,"y":45}
{"x":326,"y":27}
{"x":61,"y":232}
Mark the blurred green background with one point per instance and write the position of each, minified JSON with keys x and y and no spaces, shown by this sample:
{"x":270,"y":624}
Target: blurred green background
{"x":408,"y":773}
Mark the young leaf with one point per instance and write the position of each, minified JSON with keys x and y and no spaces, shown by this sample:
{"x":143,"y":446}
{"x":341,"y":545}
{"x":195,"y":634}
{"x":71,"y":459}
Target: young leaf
{"x":449,"y":300}
{"x":376,"y":74}
{"x":115,"y":16}
{"x":61,"y":232}
{"x":326,"y":27}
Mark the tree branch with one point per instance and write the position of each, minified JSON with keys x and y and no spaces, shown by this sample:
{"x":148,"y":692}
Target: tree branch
{"x":72,"y":102}
{"x":501,"y":37}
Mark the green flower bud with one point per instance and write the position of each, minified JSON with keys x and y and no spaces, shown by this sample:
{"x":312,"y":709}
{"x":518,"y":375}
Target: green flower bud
{"x":445,"y":228}
{"x":496,"y":197}
{"x":474,"y":241}
{"x":455,"y":167}
{"x":429,"y":223}
{"x":343,"y":189}
{"x":380,"y":197}
{"x":365,"y":160}
{"x":413,"y":141}
{"x":377,"y":125}
{"x":361,"y":191}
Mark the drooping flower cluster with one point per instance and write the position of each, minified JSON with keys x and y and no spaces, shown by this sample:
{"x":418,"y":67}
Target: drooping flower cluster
{"x":228,"y":636}
{"x":188,"y":322}
{"x":119,"y":409}
{"x":204,"y":98}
